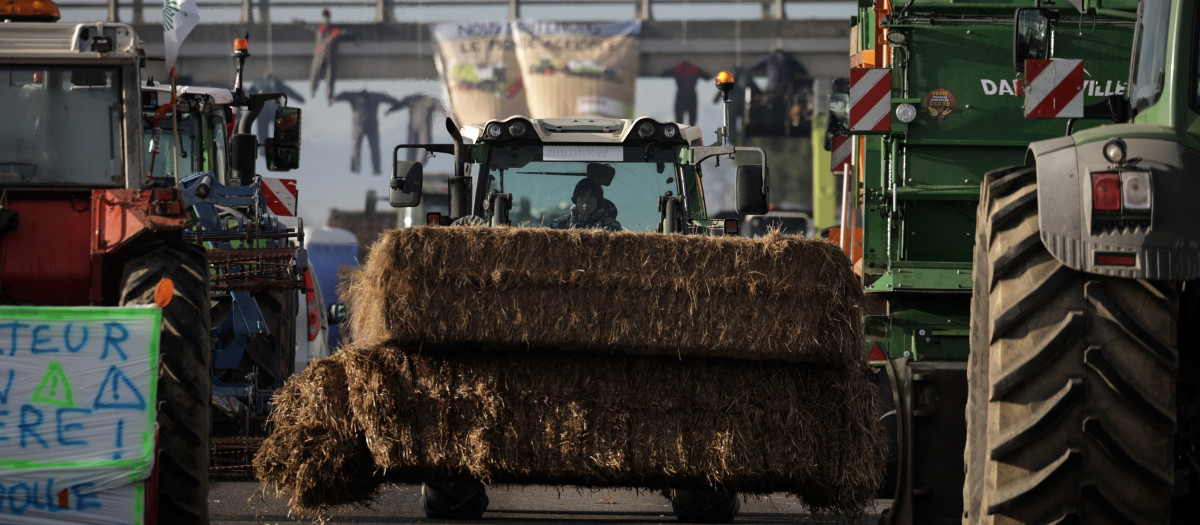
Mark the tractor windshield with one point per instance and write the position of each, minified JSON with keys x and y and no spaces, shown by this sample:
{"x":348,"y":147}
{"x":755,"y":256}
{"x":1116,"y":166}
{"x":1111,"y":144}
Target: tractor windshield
{"x":201,"y":147}
{"x":61,"y":126}
{"x":1149,"y":70}
{"x":543,"y":181}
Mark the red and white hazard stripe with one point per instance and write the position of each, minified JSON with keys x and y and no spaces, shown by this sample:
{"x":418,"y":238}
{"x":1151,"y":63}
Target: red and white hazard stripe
{"x":1054,"y":88}
{"x":870,"y":99}
{"x":840,"y":155}
{"x":280,"y":195}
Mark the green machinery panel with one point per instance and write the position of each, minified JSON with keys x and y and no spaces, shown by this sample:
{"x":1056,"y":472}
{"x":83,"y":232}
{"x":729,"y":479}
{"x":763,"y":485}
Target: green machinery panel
{"x":921,"y":181}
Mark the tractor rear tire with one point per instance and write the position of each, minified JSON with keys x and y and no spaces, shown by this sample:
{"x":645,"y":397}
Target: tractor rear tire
{"x":996,"y":183}
{"x":705,"y":505}
{"x":1080,"y":375}
{"x":185,"y":381}
{"x":454,"y":500}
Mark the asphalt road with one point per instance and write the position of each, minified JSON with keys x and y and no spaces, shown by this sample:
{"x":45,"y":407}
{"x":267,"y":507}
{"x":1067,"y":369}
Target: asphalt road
{"x":239,"y":502}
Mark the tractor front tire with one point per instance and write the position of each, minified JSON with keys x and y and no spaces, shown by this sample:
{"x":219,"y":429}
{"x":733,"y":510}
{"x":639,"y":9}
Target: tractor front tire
{"x":704,"y":505}
{"x":184,"y":382}
{"x":454,"y":500}
{"x":1078,"y":383}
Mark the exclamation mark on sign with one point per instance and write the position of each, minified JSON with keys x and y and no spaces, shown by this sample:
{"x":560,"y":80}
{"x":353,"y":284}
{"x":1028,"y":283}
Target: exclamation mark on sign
{"x":120,"y":433}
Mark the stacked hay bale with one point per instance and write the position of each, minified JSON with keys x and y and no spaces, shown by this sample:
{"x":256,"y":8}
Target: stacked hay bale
{"x":591,"y":358}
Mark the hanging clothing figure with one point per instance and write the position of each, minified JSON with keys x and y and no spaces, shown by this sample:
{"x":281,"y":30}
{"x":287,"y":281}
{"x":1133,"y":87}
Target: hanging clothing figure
{"x":421,"y":108}
{"x":271,"y":84}
{"x":686,"y":75}
{"x":324,"y":63}
{"x":783,"y":71}
{"x":365,"y":106}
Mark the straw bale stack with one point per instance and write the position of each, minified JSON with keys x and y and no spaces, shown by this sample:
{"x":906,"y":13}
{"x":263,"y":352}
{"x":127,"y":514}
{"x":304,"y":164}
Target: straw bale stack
{"x":780,"y":298}
{"x":575,"y":419}
{"x":578,"y":357}
{"x":315,"y":456}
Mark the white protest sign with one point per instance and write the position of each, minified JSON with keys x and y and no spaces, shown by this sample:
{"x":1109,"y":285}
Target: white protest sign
{"x":77,"y":396}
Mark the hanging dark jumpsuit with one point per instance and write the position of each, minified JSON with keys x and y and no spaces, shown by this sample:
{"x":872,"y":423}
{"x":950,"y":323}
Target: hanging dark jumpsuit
{"x":324,"y":63}
{"x":783,"y":71}
{"x":686,"y":74}
{"x":420,"y":122}
{"x":365,"y":105}
{"x":271,"y":84}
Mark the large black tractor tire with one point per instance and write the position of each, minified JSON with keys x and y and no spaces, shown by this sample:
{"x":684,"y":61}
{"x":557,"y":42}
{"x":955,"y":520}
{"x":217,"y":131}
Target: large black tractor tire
{"x":704,"y":505}
{"x":977,"y":362}
{"x":454,"y":500}
{"x":1078,"y":383}
{"x":184,"y":382}
{"x":1186,"y":496}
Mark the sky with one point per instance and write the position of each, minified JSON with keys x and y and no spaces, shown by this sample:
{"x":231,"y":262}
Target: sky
{"x":324,"y":178}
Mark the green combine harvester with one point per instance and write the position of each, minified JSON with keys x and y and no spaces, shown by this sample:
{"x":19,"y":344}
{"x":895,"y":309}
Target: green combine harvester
{"x":1023,"y":313}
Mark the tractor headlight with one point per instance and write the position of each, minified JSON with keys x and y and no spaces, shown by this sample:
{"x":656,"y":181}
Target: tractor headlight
{"x":517,"y":128}
{"x":1114,"y":151}
{"x":670,"y":131}
{"x":645,"y":129}
{"x":494,"y":130}
{"x":906,"y":112}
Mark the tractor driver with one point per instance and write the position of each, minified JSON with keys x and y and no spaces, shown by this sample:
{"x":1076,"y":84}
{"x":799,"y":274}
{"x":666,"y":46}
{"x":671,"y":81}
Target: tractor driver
{"x":591,"y":209}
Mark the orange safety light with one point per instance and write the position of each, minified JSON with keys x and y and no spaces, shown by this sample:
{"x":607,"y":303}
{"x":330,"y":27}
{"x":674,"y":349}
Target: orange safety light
{"x":29,"y":11}
{"x":725,"y":84}
{"x":241,"y":44}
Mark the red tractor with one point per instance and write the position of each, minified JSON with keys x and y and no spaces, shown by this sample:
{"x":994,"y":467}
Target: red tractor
{"x":81,"y":224}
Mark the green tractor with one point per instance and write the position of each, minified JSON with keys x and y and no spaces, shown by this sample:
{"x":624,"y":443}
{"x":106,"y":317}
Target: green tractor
{"x":932,"y":104}
{"x":1083,"y":371}
{"x":529,"y":171}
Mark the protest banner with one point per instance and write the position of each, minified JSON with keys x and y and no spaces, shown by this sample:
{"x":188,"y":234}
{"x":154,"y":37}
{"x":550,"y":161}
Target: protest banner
{"x":479,"y":71}
{"x":578,"y":68}
{"x":77,"y":412}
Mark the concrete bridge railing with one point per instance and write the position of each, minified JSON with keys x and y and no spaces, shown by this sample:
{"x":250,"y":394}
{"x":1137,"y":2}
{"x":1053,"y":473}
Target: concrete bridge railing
{"x":385,"y":10}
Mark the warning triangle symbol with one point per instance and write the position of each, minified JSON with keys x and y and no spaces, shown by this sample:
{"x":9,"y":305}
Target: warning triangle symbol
{"x":118,"y":391}
{"x":54,"y":388}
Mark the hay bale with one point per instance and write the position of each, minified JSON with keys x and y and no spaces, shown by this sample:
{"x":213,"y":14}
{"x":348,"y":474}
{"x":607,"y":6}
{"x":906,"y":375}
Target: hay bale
{"x":778,"y":298}
{"x":619,"y":421}
{"x":315,"y":456}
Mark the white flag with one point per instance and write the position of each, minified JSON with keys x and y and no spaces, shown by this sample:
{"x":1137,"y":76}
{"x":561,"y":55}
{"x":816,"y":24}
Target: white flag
{"x":179,"y":17}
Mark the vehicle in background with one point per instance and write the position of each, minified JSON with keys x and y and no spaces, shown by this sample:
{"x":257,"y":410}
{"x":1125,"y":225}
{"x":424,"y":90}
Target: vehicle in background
{"x":92,"y":237}
{"x":331,"y":253}
{"x":932,"y":107}
{"x":786,"y":221}
{"x":436,"y":196}
{"x":1084,"y":401}
{"x":257,"y":266}
{"x":312,"y":323}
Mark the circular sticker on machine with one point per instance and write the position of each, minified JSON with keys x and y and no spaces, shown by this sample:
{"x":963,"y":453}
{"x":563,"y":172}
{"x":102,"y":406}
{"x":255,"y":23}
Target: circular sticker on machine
{"x":939,"y":104}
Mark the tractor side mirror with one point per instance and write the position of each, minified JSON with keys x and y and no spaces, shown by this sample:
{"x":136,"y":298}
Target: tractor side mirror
{"x":1031,"y":36}
{"x":751,"y":198}
{"x":406,"y":184}
{"x":336,"y":314}
{"x":283,"y":149}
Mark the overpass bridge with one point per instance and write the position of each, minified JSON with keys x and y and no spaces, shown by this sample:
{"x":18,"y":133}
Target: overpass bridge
{"x":391,"y":47}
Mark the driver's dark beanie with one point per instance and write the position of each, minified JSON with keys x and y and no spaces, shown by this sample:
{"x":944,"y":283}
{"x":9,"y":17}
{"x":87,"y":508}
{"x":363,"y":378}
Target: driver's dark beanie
{"x":590,"y":187}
